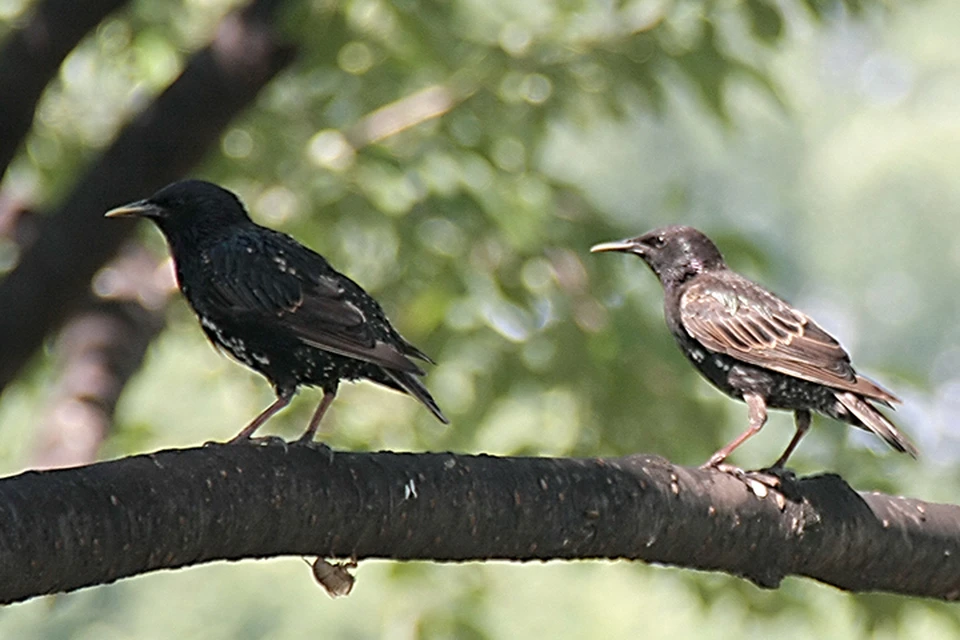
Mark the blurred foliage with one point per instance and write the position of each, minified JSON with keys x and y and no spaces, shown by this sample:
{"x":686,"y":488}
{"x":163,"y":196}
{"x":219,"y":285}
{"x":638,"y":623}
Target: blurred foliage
{"x":816,"y":141}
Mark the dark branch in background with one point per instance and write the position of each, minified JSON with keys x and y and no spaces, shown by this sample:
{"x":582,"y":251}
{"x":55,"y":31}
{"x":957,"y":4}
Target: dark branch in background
{"x":99,"y":349}
{"x":66,"y":529}
{"x":31,"y":56}
{"x":52,"y":278}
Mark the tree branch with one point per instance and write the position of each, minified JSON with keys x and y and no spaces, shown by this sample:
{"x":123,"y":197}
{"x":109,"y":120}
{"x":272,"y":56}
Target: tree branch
{"x":66,"y":529}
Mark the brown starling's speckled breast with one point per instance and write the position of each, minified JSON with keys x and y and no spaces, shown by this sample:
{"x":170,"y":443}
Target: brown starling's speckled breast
{"x":735,"y":377}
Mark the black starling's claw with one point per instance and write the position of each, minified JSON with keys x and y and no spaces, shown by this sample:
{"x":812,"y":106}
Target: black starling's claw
{"x":270,"y":441}
{"x":315,"y":445}
{"x":327,"y":450}
{"x":304,"y":440}
{"x":262,"y":441}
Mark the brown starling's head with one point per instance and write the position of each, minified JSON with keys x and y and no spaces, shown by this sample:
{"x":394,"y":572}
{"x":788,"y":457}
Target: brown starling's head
{"x":189,"y":207}
{"x":674,"y":253}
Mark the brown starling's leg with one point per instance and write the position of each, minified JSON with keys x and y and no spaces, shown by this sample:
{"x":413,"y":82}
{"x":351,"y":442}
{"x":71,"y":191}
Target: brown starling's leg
{"x":328,"y":397}
{"x":802,"y":419}
{"x":757,"y":410}
{"x":282,"y":401}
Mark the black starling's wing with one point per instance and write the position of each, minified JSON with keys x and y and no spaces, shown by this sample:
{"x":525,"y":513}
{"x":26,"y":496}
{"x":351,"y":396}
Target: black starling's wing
{"x":271,"y":280}
{"x":731,"y":315}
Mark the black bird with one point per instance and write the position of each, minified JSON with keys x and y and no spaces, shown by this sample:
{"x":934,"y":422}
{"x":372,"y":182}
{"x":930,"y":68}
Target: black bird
{"x":275,"y":305}
{"x":752,"y":345}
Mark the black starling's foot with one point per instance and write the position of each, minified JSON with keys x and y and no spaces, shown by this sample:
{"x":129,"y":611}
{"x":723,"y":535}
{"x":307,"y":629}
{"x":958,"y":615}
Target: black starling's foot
{"x":315,"y":445}
{"x":261,"y":441}
{"x":270,"y":441}
{"x":306,"y":439}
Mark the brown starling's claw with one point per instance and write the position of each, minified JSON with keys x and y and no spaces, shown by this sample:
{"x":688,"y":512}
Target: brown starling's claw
{"x":783,"y":480}
{"x":759,"y":483}
{"x":716,"y":462}
{"x":723,"y":467}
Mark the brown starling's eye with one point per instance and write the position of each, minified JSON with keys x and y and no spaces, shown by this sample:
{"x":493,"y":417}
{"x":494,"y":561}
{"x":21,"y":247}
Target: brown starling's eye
{"x":655,"y":242}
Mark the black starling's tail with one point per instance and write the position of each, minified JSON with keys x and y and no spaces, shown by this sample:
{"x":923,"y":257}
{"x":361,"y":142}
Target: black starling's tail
{"x":412,"y":385}
{"x":876,"y":422}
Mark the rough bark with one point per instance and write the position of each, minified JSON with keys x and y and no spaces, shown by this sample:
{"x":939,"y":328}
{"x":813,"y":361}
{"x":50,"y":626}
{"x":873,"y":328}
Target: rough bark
{"x":67,"y":529}
{"x":160,"y":145}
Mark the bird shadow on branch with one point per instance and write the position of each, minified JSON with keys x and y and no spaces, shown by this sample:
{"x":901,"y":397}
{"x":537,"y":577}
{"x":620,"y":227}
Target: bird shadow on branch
{"x":66,"y":529}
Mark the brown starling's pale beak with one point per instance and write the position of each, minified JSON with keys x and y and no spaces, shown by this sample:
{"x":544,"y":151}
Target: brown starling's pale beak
{"x":618,"y":245}
{"x":140,"y":208}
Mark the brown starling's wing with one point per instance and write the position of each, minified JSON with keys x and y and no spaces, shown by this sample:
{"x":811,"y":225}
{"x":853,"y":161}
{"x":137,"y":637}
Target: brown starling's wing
{"x":293,"y":289}
{"x":731,"y":315}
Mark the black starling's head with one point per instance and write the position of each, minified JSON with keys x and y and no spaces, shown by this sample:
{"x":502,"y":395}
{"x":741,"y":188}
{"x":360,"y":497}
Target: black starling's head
{"x":674,"y":253}
{"x":188,"y":208}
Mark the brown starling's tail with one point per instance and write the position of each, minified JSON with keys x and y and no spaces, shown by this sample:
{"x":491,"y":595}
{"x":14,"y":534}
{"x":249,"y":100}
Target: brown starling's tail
{"x":870,"y":389}
{"x":412,"y":385}
{"x":871,"y":419}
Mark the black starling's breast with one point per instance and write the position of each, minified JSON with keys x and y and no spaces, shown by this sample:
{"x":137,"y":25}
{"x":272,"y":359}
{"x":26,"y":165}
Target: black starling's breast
{"x":284,"y":360}
{"x":262,"y":297}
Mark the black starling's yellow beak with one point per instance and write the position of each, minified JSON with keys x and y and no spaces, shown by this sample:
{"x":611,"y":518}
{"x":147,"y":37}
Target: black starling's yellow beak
{"x":617,"y":245}
{"x":140,"y":208}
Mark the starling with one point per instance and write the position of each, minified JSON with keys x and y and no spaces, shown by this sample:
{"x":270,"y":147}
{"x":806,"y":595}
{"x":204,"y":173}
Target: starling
{"x":275,"y":305}
{"x":752,"y":345}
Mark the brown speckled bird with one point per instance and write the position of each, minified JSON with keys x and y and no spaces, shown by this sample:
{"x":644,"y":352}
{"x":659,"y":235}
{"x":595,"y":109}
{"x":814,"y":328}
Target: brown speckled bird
{"x":752,"y":345}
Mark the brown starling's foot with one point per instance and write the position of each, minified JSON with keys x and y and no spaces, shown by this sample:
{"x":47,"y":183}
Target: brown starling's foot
{"x":716,"y":462}
{"x":760,"y":483}
{"x":724,"y":467}
{"x":785,"y":479}
{"x":780,"y":472}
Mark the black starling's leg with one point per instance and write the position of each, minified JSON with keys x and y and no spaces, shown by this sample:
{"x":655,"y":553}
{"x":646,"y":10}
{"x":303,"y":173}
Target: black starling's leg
{"x":328,"y":396}
{"x":282,"y":401}
{"x":802,"y":419}
{"x":757,"y":410}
